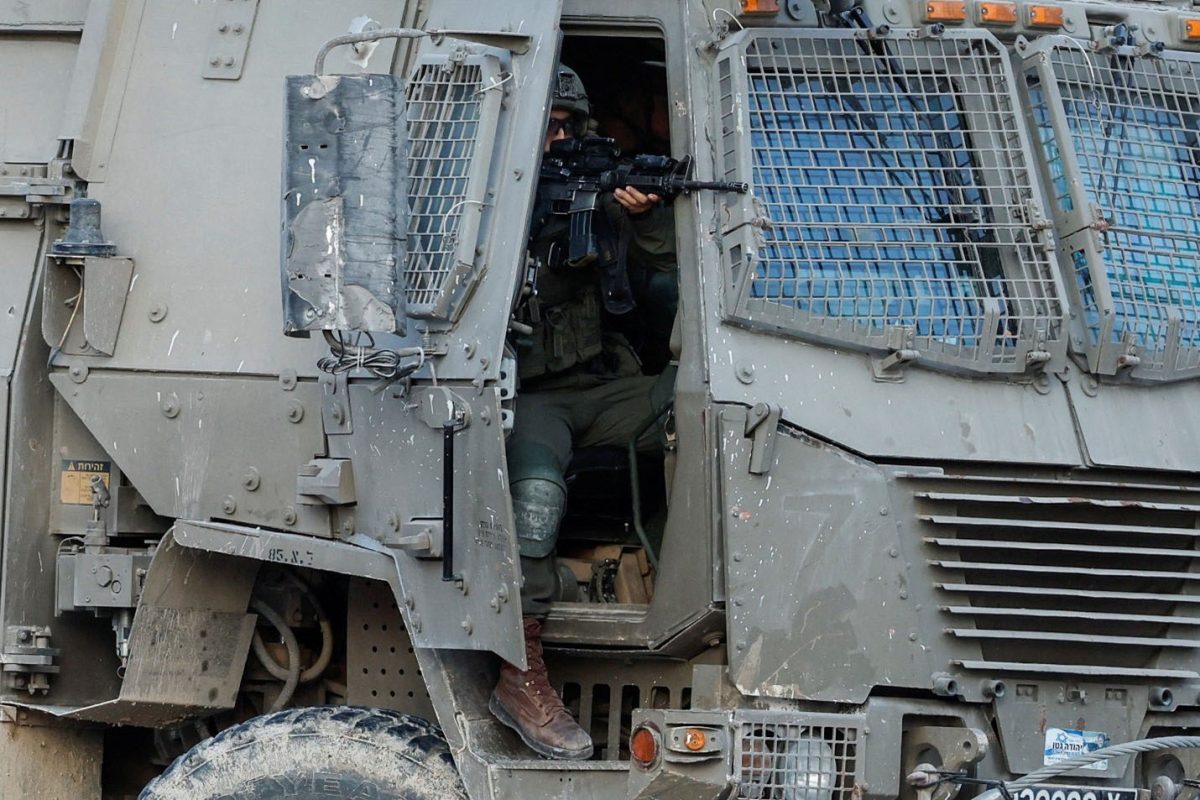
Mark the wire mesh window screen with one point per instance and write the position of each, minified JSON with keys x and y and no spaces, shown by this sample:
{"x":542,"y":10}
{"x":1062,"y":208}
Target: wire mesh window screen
{"x":778,"y":760}
{"x":1134,"y":148}
{"x":897,"y":197}
{"x":448,"y":136}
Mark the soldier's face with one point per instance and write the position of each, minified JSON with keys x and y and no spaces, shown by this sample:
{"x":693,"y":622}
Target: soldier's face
{"x":558,"y":128}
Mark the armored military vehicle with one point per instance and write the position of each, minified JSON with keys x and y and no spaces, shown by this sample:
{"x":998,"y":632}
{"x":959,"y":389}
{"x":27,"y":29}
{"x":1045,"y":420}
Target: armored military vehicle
{"x":926,"y":515}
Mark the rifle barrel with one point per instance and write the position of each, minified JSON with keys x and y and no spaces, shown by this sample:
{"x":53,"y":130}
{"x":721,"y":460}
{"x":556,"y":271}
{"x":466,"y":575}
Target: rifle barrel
{"x":717,"y":186}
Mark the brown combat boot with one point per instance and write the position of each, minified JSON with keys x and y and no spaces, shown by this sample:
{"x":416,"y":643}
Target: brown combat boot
{"x":527,"y":703}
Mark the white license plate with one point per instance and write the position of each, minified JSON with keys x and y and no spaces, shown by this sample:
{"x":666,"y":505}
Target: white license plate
{"x":1051,"y":792}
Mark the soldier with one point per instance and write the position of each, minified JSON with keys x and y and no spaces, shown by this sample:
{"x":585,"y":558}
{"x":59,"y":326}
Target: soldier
{"x":581,"y":385}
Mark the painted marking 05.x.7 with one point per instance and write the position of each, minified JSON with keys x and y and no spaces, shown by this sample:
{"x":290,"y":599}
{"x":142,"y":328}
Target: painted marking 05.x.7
{"x":290,"y":555}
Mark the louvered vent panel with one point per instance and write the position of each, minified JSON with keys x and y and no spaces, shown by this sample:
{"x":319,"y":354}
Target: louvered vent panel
{"x":1078,"y":577}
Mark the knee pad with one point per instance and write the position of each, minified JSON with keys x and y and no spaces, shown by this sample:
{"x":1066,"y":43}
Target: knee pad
{"x":538,"y":506}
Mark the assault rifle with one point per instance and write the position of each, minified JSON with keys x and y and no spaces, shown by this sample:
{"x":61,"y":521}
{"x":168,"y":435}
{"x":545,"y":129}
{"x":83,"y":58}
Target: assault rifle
{"x":575,"y":172}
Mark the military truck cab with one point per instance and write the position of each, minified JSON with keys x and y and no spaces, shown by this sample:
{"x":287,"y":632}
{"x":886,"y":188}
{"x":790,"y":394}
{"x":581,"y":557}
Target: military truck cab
{"x":924,"y":521}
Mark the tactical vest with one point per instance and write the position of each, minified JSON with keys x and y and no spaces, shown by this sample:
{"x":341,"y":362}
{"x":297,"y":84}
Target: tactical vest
{"x":565,"y":313}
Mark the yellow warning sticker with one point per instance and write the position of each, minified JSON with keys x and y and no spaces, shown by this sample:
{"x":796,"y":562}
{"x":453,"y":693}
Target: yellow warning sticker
{"x":75,"y":480}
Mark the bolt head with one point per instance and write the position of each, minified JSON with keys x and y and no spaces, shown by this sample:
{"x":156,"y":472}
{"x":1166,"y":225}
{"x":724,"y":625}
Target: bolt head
{"x":229,"y":505}
{"x":289,"y":516}
{"x":251,"y":480}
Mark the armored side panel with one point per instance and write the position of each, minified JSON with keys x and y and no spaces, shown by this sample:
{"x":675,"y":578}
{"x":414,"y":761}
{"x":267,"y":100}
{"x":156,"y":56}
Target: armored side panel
{"x":345,"y":210}
{"x":221,"y":416}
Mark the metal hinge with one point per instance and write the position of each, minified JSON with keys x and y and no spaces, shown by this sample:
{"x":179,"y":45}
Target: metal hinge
{"x":1038,"y":356}
{"x":229,"y":39}
{"x":326,"y":481}
{"x":335,"y":404}
{"x":762,"y":421}
{"x":28,"y":659}
{"x":25,"y":187}
{"x":900,"y":342}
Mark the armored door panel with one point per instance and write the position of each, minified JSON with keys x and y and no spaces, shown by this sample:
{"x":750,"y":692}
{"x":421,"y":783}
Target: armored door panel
{"x":476,"y":101}
{"x":452,"y":541}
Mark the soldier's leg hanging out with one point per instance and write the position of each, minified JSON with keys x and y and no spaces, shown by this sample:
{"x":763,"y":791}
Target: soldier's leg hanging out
{"x":537,"y":457}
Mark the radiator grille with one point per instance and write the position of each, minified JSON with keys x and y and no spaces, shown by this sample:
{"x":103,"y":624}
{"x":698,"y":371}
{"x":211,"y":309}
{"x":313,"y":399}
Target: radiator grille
{"x":1125,"y":178}
{"x":900,"y":207}
{"x":794,"y":760}
{"x":604,"y":708}
{"x":1080,"y":577}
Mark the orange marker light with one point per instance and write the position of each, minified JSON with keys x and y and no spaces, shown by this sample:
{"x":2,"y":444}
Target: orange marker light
{"x":694,"y":739}
{"x":1191,"y":29}
{"x":1046,"y":16}
{"x":945,"y":11}
{"x":760,"y":6}
{"x":998,"y":13}
{"x":643,"y":746}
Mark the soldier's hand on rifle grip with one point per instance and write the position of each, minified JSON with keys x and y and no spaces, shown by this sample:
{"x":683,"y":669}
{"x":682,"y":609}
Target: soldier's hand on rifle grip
{"x":634,"y":202}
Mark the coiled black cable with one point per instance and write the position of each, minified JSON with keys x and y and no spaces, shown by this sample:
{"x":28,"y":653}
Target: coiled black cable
{"x":389,"y":365}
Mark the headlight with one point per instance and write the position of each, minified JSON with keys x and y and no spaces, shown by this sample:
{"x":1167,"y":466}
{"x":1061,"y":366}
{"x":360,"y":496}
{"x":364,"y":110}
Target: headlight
{"x":802,"y":768}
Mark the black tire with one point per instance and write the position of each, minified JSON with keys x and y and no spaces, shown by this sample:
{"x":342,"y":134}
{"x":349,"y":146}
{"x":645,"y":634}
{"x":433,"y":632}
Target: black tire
{"x":321,"y":752}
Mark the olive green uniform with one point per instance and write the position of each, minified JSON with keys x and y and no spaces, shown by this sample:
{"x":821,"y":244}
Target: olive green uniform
{"x":581,"y":382}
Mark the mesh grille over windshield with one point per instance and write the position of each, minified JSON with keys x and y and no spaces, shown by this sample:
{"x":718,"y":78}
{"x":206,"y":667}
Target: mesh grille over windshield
{"x":1120,"y":136}
{"x":895,"y":202}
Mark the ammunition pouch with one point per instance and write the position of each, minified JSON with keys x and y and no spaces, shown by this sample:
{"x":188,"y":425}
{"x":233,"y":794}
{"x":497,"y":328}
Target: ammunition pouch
{"x":569,"y":334}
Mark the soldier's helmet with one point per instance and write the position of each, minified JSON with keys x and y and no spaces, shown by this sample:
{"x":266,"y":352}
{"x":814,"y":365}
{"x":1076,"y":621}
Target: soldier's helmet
{"x":569,"y":95}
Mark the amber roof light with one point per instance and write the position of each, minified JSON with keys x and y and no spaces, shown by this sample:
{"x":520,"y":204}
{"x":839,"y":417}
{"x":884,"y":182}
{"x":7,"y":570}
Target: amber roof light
{"x":945,"y":11}
{"x":1045,"y":16}
{"x":998,"y":13}
{"x":760,"y":6}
